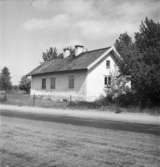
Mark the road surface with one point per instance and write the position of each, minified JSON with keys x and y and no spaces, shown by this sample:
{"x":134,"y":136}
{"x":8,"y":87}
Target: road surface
{"x":100,"y":120}
{"x":32,"y":143}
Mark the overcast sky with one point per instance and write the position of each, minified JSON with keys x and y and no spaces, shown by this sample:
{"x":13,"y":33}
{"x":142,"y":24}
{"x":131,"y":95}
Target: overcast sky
{"x":28,"y":27}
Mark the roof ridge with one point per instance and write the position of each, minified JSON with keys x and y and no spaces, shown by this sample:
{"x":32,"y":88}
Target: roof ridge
{"x":97,"y":49}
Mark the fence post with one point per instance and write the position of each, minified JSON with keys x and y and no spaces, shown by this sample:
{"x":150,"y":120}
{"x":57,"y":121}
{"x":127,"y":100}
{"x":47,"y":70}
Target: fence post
{"x":70,"y":99}
{"x":5,"y":96}
{"x":34,"y":100}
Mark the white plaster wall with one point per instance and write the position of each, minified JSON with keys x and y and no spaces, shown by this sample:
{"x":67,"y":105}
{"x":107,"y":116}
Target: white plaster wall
{"x":62,"y":90}
{"x":95,"y":79}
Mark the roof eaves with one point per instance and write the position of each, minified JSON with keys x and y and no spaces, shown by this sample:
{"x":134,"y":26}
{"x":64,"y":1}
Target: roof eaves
{"x":58,"y":72}
{"x":30,"y":73}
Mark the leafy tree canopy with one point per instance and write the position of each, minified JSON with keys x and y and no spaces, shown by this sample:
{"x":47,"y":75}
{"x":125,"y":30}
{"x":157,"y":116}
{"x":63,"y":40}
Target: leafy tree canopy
{"x":142,"y":60}
{"x":146,"y":68}
{"x":50,"y":54}
{"x":5,"y":79}
{"x":25,"y":84}
{"x":125,"y":47}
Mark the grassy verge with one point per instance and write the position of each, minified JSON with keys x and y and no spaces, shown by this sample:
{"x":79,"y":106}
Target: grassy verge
{"x":113,"y":107}
{"x":19,"y":98}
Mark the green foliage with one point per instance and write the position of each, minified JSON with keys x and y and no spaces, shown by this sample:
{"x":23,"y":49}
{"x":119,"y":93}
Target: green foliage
{"x":25,"y":84}
{"x":146,"y":69}
{"x":142,"y":61}
{"x":128,"y":99}
{"x":5,"y":79}
{"x":51,"y":54}
{"x":125,"y":47}
{"x":120,"y":88}
{"x":120,"y":85}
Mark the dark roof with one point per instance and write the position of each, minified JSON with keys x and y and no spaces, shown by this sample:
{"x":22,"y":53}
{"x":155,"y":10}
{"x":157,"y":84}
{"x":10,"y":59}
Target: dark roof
{"x":70,"y":63}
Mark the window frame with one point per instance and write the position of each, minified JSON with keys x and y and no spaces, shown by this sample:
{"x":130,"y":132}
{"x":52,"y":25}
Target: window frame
{"x":44,"y":83}
{"x":71,"y":82}
{"x":108,"y":81}
{"x":108,"y":64}
{"x":53,"y":83}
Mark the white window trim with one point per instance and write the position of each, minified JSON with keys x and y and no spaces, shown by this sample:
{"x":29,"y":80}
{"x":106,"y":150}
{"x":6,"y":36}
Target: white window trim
{"x":107,"y":85}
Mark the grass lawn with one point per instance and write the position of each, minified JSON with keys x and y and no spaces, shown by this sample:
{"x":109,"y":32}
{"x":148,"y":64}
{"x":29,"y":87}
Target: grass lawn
{"x":29,"y":143}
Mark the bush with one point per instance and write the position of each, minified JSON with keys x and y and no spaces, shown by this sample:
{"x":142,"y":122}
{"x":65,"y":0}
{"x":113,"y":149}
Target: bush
{"x":3,"y":96}
{"x":84,"y":104}
{"x":127,"y":99}
{"x":25,"y":84}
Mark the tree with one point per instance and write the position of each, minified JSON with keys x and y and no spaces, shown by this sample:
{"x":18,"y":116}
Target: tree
{"x":5,"y":79}
{"x":142,"y":61}
{"x":146,"y":67}
{"x":125,"y":47}
{"x":50,"y":54}
{"x":25,"y":84}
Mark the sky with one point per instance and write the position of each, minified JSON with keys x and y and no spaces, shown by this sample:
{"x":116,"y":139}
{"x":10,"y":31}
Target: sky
{"x":29,"y":27}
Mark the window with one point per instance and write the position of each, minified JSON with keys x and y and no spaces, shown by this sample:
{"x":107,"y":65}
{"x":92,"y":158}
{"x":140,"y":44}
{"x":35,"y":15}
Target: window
{"x":53,"y":83}
{"x":107,"y":81}
{"x":71,"y":82}
{"x":43,"y":83}
{"x":108,"y":64}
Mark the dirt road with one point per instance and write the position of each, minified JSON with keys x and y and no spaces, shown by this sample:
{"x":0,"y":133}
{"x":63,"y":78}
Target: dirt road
{"x":141,"y":123}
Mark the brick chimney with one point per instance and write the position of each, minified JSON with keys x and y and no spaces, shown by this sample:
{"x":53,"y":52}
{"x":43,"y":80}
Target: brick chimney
{"x":66,"y":52}
{"x":79,"y":49}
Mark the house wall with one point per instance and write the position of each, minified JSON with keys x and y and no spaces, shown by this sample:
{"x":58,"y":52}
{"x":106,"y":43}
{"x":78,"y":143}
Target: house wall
{"x":62,"y":90}
{"x":95,"y":78}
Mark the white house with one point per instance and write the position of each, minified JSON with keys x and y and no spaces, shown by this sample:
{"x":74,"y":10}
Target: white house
{"x":83,"y":76}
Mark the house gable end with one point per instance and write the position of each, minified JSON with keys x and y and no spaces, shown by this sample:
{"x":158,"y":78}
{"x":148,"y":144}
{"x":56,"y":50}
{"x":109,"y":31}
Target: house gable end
{"x":111,"y":52}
